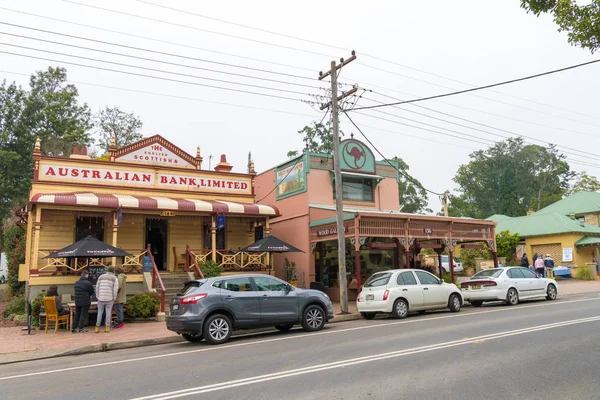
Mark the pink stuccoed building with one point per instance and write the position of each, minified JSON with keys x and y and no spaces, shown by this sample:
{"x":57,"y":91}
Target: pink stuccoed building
{"x":378,"y":235}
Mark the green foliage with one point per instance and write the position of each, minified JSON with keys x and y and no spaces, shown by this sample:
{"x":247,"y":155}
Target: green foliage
{"x":506,"y":245}
{"x":13,"y":244}
{"x":290,"y":270}
{"x":124,"y":127}
{"x":510,"y":178}
{"x":579,"y":21}
{"x":584,"y":183}
{"x":51,"y":111}
{"x":143,"y":305}
{"x":15,"y":306}
{"x":36,"y":308}
{"x":317,"y":138}
{"x":468,"y":256}
{"x":210,"y":269}
{"x":583,"y":273}
{"x":413,"y":196}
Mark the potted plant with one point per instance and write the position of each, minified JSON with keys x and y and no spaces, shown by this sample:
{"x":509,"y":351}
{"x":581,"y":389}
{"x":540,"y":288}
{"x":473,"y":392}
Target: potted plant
{"x":290,"y":272}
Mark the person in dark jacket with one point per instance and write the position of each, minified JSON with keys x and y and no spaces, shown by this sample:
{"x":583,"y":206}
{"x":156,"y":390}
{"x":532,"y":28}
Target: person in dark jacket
{"x":524,"y":261}
{"x":83,"y":294}
{"x":53,"y":292}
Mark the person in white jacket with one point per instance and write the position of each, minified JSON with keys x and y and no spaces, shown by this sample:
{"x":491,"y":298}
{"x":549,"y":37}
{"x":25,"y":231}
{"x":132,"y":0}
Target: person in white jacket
{"x":107,"y":288}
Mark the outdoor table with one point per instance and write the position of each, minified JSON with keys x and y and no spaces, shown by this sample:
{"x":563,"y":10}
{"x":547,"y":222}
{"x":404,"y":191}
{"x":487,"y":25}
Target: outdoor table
{"x":94,"y":304}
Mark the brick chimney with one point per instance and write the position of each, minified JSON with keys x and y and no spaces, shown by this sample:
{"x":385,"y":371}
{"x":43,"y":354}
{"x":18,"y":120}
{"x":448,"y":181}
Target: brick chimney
{"x":223,"y":165}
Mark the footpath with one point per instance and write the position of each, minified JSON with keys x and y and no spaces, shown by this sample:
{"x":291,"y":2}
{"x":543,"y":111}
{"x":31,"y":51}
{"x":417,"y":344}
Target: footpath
{"x":16,"y":345}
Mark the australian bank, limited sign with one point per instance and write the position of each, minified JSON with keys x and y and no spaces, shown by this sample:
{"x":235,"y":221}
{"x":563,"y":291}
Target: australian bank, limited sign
{"x":123,"y":177}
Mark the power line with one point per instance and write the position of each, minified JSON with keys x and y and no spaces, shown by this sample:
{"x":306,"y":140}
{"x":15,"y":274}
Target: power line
{"x":243,"y":26}
{"x":153,"y":77}
{"x":199,"y":29}
{"x":159,"y":52}
{"x":487,"y":143}
{"x":484,"y":131}
{"x":157,"y":61}
{"x":155,"y":70}
{"x":174,"y":97}
{"x":480,"y":87}
{"x":365,"y":54}
{"x":470,"y":109}
{"x":159,"y":40}
{"x":408,"y":177}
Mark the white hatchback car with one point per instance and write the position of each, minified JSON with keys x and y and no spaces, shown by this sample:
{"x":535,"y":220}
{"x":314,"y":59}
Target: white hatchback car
{"x":400,"y":291}
{"x":457,"y":264}
{"x":509,"y":284}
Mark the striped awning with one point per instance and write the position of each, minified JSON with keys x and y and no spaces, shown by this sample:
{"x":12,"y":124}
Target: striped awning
{"x":116,"y":201}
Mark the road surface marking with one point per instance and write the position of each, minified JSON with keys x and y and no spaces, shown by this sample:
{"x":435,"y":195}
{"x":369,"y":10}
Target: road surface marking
{"x":302,"y":336}
{"x":355,"y":361}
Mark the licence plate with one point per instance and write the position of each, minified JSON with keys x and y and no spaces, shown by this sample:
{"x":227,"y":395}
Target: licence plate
{"x":475,"y":287}
{"x":175,"y":307}
{"x":370,"y":297}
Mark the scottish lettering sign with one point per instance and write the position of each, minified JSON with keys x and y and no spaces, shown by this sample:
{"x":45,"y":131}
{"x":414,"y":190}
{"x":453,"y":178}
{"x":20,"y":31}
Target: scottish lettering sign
{"x":154,"y":153}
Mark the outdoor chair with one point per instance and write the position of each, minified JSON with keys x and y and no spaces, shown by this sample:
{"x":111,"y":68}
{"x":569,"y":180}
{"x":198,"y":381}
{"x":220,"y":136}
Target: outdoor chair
{"x":52,"y":314}
{"x":177,"y":261}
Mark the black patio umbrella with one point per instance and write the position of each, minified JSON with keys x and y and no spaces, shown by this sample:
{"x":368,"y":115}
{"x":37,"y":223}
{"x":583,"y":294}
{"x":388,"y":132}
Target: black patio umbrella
{"x":89,"y":247}
{"x":271,"y":244}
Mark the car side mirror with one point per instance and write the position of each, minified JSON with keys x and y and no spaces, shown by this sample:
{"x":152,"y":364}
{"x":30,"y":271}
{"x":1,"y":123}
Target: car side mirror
{"x":440,"y":281}
{"x":288,"y":288}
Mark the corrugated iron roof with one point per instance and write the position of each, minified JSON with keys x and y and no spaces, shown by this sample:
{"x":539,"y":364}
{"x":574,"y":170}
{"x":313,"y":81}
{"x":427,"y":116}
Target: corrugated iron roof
{"x":544,"y":224}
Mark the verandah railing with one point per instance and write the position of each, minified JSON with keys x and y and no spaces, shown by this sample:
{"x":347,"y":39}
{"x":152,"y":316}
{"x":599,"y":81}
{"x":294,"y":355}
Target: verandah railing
{"x":230,"y":261}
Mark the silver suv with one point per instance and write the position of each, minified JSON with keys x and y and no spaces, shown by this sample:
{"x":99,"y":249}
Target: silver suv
{"x":213,"y":308}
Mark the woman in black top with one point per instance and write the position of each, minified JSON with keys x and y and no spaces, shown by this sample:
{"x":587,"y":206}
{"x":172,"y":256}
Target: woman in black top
{"x":53,"y":292}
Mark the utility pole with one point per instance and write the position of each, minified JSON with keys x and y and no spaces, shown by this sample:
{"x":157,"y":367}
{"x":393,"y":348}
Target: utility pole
{"x":445,"y":202}
{"x":339,"y":206}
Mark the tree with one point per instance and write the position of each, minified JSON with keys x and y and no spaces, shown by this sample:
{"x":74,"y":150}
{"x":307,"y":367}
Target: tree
{"x":317,"y":138}
{"x":413,"y":196}
{"x":113,"y":122}
{"x":510,"y":178}
{"x":52,"y":112}
{"x":579,"y":21}
{"x":506,"y":245}
{"x":16,"y":146}
{"x":584,"y":183}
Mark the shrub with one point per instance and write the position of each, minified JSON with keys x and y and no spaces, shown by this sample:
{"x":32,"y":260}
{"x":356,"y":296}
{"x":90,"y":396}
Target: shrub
{"x":290,"y":270}
{"x":143,"y":305}
{"x":13,"y":243}
{"x":210,"y":269}
{"x":15,"y":306}
{"x":36,"y":308}
{"x":583,"y":273}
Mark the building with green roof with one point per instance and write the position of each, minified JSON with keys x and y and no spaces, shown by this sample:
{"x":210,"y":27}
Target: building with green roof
{"x":568,"y":230}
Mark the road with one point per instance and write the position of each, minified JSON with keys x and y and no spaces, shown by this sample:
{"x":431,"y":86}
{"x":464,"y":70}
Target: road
{"x":536,"y":350}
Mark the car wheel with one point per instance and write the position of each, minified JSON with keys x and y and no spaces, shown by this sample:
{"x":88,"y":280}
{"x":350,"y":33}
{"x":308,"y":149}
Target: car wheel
{"x":217,"y":329}
{"x":368,"y":315}
{"x":313,"y":318}
{"x":400,"y":309}
{"x":284,"y":327}
{"x":454,"y":303}
{"x":551,"y":292}
{"x":192,"y":337}
{"x":512,"y":297}
{"x":476,"y":303}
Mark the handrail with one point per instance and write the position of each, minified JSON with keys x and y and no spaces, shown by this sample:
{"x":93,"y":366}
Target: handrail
{"x":154,"y":275}
{"x":191,"y":256}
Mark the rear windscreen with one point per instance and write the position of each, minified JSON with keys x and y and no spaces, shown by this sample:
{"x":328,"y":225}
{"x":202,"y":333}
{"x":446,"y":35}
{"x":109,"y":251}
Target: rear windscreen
{"x":380,"y":279}
{"x":189,"y":287}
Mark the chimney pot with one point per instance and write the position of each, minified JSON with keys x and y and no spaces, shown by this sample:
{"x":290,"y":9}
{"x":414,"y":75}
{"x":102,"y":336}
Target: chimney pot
{"x":75,"y":150}
{"x":84,"y":151}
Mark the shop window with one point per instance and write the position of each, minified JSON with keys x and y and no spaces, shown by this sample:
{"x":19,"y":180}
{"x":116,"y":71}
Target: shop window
{"x":357,"y":189}
{"x":93,"y":226}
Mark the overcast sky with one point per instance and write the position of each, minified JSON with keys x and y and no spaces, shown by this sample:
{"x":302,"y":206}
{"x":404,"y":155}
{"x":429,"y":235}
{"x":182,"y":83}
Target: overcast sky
{"x":405,"y":49}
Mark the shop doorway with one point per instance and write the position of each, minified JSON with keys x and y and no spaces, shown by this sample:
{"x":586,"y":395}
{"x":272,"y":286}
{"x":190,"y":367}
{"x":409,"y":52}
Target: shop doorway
{"x":156,"y":236}
{"x":258,"y":233}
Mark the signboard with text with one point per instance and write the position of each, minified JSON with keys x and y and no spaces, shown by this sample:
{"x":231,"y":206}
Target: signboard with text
{"x":120,"y":176}
{"x":154,"y":153}
{"x":330,"y":231}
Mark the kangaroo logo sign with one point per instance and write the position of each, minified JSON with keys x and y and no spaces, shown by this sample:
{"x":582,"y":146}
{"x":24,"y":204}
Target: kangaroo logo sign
{"x":355,"y":156}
